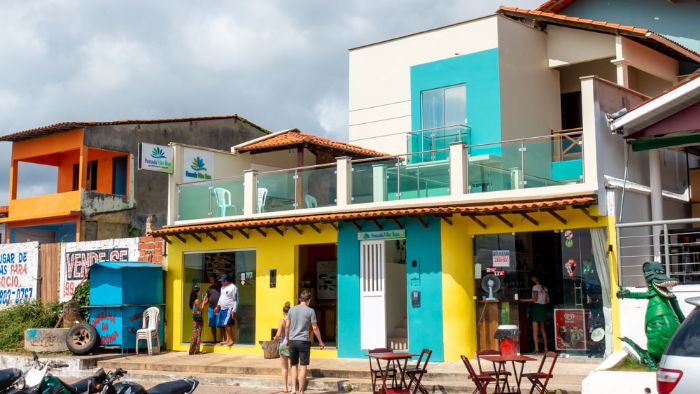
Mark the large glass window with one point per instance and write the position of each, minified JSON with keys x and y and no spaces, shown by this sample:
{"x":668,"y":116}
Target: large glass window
{"x":443,"y":110}
{"x":237,"y":264}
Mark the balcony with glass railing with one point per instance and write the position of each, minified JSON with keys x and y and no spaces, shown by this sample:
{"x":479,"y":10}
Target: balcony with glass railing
{"x":536,"y":162}
{"x":434,"y":142}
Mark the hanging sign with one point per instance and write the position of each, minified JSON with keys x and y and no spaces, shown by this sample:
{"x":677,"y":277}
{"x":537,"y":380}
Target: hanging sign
{"x":19,"y":264}
{"x":500,"y":258}
{"x":198,"y":165}
{"x":370,"y":235}
{"x":157,"y":158}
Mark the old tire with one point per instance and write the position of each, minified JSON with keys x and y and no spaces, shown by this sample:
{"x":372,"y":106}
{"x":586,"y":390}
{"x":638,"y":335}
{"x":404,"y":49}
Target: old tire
{"x":81,"y":338}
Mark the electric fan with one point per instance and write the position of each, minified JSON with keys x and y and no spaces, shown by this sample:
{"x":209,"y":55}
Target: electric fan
{"x":491,"y":284}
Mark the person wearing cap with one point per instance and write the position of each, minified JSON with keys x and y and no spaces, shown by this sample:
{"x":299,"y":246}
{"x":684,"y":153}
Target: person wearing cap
{"x":212,"y":300}
{"x":226,"y":308}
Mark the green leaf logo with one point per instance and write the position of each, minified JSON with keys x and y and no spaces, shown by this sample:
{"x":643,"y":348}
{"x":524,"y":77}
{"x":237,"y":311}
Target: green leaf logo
{"x":198,"y":164}
{"x":157,"y":153}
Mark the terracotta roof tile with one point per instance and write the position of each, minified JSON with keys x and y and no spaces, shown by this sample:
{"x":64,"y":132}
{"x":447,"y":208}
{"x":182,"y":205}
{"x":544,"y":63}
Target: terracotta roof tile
{"x":295,"y":138}
{"x":665,"y":45}
{"x":471,"y":209}
{"x":554,"y":5}
{"x":65,"y":126}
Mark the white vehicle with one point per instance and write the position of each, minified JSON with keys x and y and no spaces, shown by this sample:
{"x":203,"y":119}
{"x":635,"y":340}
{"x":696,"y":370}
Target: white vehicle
{"x":679,"y":369}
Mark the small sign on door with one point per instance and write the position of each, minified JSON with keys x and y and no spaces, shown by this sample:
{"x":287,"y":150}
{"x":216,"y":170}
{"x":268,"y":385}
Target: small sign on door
{"x":500,"y":258}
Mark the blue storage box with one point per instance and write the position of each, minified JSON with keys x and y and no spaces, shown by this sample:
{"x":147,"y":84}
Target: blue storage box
{"x":119,"y":294}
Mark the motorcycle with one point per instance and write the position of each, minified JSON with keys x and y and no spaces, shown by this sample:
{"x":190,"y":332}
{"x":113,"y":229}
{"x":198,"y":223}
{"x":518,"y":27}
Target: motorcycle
{"x":9,"y":378}
{"x":108,"y":385}
{"x":37,"y":380}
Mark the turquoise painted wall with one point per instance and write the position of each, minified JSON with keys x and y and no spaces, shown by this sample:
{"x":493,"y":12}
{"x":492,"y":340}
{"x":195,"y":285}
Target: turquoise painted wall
{"x":425,"y":322}
{"x":677,"y":21}
{"x":479,"y":72}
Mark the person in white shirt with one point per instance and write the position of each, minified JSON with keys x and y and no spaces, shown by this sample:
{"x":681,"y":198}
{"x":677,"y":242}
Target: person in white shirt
{"x":538,"y":315}
{"x":226,"y":308}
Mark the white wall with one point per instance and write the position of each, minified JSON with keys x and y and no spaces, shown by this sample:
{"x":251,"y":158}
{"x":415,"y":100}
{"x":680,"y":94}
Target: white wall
{"x":380,"y":78}
{"x":588,"y":46}
{"x":530,"y":101}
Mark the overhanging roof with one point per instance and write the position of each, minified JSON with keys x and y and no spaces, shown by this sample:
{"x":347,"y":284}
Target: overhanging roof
{"x":522,"y":206}
{"x":643,"y":36}
{"x":65,"y":126}
{"x":669,"y":102}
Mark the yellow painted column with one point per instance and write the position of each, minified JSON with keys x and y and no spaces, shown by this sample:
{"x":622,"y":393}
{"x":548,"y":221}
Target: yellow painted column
{"x":459,"y":310}
{"x":614,"y":280}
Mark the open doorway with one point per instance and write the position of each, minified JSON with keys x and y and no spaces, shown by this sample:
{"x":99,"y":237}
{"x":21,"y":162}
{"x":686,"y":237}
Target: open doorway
{"x":572,"y":269}
{"x":318,"y":273}
{"x":396,"y":312}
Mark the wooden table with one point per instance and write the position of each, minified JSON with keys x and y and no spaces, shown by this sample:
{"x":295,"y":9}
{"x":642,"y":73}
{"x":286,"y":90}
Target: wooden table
{"x":502,"y":361}
{"x":394,"y":358}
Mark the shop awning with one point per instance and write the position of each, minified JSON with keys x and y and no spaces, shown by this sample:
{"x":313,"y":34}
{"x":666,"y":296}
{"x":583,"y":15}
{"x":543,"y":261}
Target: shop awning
{"x":471,"y":210}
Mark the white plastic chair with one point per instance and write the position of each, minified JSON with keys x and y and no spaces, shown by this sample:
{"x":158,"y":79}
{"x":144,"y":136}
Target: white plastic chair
{"x":223,"y":200}
{"x":310,"y":201}
{"x":149,"y":330}
{"x":262,"y":197}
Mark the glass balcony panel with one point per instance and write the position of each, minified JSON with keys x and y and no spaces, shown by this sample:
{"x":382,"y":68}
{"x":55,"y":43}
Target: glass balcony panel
{"x":434,"y":142}
{"x":193,"y":200}
{"x":420,"y":179}
{"x":227,"y":197}
{"x":538,"y":161}
{"x":276,"y":191}
{"x":494,"y":167}
{"x":364,"y":182}
{"x":318,"y":185}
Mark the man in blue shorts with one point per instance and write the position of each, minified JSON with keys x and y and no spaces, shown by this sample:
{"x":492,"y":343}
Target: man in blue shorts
{"x":212,"y":299}
{"x":226,"y":308}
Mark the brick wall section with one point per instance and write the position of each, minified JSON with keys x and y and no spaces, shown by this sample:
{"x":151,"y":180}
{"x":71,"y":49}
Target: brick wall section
{"x":151,"y":249}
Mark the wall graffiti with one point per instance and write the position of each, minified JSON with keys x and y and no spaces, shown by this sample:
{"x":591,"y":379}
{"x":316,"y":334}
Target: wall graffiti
{"x":19,"y":266}
{"x":78,"y":257}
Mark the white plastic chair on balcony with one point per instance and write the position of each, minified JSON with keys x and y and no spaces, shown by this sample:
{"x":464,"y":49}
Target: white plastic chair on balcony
{"x":223,"y":200}
{"x":149,"y":330}
{"x":262,"y":197}
{"x":310,"y":201}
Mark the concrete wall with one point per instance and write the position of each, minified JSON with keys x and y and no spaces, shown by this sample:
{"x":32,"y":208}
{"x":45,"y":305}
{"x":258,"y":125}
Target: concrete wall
{"x":530,"y":104}
{"x":150,"y":189}
{"x":380,"y":83}
{"x":589,"y":46}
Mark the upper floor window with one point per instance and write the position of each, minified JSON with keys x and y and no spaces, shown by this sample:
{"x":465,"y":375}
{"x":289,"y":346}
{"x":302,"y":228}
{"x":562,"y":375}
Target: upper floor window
{"x":444,"y":107}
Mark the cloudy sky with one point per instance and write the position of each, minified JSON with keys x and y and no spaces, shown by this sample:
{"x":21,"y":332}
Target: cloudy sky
{"x":280,"y":63}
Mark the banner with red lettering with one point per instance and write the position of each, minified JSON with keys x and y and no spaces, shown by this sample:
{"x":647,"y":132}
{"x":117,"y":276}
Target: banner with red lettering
{"x":19,"y":267}
{"x":78,"y":257}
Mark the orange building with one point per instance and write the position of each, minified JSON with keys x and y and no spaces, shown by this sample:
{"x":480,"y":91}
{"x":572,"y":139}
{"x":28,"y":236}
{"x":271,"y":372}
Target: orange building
{"x":98,"y":192}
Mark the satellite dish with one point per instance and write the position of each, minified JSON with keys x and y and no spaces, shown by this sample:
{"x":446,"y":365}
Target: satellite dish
{"x":491,"y":284}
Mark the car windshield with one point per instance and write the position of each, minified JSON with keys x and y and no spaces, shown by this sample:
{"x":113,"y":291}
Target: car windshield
{"x":686,"y":342}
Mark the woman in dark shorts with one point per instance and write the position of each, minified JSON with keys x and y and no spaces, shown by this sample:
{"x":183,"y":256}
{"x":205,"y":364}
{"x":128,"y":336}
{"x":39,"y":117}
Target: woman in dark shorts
{"x":538,"y":313}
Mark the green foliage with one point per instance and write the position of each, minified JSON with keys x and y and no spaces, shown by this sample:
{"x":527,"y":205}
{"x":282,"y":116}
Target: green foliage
{"x":81,"y":297}
{"x":630,"y":364}
{"x":16,"y":319}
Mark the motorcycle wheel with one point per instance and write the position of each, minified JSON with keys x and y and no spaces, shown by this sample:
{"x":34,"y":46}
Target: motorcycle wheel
{"x":81,"y":338}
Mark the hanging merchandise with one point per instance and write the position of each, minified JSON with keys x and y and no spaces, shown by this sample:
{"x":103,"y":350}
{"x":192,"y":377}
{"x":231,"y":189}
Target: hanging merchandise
{"x":570,"y":267}
{"x":587,"y":268}
{"x":569,"y":238}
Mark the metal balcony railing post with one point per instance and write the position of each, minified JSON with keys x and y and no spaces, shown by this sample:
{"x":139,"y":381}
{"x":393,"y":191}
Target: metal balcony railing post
{"x":667,"y":254}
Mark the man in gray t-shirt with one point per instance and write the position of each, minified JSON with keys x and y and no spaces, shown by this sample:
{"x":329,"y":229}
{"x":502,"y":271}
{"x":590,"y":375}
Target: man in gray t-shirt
{"x":298,"y":321}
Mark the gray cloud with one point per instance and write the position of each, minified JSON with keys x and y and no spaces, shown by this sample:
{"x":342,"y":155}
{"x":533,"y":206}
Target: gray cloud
{"x":278,"y":63}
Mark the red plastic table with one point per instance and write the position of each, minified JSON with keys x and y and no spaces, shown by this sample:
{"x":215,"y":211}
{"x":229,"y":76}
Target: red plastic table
{"x":502,"y":361}
{"x":394,"y":358}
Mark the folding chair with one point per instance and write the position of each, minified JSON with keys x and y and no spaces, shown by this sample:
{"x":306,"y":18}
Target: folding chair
{"x":416,"y":373}
{"x":540,"y":378}
{"x":377,"y":373}
{"x":480,"y":381}
{"x":502,"y":376}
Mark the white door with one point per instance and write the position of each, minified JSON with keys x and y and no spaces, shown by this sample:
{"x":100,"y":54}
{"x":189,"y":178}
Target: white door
{"x":372,"y":295}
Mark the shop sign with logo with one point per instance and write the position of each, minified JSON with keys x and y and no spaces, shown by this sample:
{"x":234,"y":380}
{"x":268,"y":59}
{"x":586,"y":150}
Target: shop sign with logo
{"x":198,"y":165}
{"x":155,"y":158}
{"x":374,"y":235}
{"x":500,"y":258}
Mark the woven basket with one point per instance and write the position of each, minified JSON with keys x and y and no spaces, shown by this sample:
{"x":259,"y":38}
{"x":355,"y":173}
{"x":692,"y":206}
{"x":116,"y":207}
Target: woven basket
{"x":271,"y":349}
